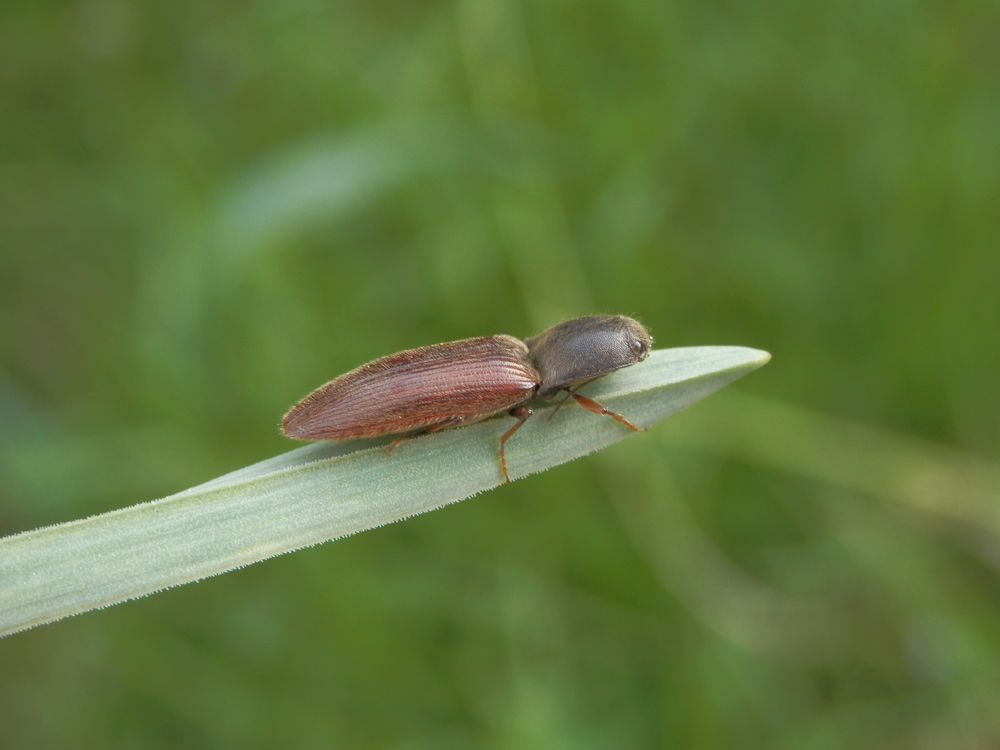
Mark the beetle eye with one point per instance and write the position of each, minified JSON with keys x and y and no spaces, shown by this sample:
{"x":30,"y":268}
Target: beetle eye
{"x":638,"y":347}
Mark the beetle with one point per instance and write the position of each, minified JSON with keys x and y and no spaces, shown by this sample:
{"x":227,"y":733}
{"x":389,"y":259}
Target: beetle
{"x":440,"y":386}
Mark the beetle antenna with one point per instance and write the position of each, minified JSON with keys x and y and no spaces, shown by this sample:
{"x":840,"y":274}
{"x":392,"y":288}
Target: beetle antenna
{"x":569,"y":392}
{"x":559,"y":405}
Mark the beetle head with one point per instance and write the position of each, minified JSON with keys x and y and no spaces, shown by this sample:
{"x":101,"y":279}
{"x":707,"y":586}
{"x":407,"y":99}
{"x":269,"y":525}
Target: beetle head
{"x":586,"y":348}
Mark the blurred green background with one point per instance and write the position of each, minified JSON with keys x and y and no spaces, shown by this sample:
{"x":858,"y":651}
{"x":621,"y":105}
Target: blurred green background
{"x":208,"y":209}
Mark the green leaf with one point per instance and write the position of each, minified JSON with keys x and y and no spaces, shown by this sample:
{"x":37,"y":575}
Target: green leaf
{"x":325,"y":491}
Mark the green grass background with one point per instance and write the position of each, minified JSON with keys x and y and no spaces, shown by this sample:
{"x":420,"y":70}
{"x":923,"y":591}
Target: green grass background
{"x":208,"y":209}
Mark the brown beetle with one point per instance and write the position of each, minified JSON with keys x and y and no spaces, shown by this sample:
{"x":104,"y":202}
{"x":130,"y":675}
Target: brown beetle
{"x":439,"y":386}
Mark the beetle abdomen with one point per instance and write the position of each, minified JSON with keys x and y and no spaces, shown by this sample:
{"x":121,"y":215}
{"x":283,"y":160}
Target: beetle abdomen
{"x":459,"y":381}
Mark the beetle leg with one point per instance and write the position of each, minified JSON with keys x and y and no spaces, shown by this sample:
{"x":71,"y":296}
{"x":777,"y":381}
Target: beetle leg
{"x":392,"y":446}
{"x":592,"y":406}
{"x":451,"y":422}
{"x":569,"y":392}
{"x":521,"y":414}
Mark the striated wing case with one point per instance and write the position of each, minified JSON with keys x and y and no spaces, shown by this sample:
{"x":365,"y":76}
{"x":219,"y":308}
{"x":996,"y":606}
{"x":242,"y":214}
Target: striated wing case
{"x":452,"y":383}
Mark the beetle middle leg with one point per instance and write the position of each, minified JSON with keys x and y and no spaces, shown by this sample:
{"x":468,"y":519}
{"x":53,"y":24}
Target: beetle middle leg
{"x":521,"y":414}
{"x":592,"y":406}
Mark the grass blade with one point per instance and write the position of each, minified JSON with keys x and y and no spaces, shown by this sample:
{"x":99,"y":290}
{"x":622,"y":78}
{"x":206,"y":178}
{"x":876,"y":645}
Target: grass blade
{"x":326,"y":491}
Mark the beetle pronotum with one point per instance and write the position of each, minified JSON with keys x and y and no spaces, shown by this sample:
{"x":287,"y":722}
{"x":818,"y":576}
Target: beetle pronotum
{"x":436,"y":387}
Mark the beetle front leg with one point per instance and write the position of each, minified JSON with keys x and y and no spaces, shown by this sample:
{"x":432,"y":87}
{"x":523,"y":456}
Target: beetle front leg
{"x":569,"y":392}
{"x":592,"y":406}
